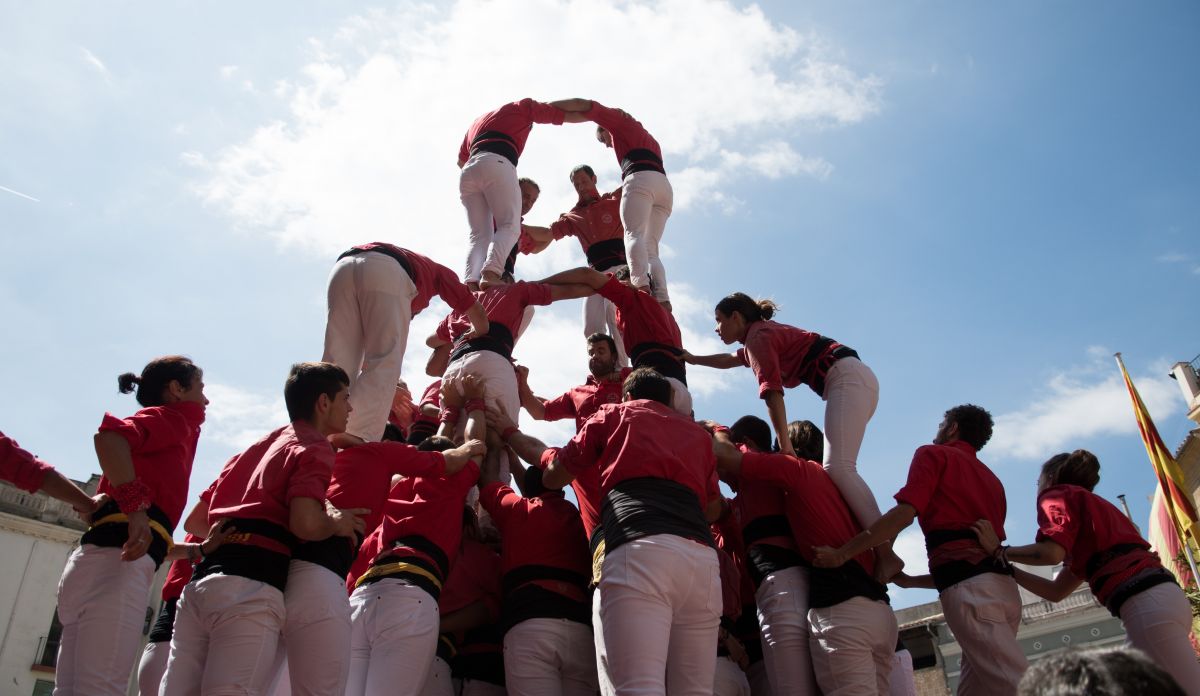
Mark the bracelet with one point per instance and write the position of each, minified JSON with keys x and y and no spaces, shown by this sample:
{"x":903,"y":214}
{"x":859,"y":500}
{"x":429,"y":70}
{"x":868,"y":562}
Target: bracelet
{"x":196,"y":553}
{"x":508,"y":432}
{"x":475,"y":405}
{"x":133,"y":496}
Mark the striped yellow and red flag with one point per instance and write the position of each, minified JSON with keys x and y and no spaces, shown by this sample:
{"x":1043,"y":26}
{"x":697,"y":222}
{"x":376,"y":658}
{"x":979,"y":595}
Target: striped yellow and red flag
{"x":1177,"y":503}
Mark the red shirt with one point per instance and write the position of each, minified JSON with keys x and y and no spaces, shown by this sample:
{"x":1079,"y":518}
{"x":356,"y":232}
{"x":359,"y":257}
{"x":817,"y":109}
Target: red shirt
{"x":757,"y":500}
{"x":627,"y":133}
{"x":514,"y":120}
{"x":587,"y":491}
{"x":362,"y":475}
{"x":432,"y":395}
{"x":1084,"y":524}
{"x":950,"y":489}
{"x":19,"y":467}
{"x":475,"y":576}
{"x":583,"y":401}
{"x":815,"y":509}
{"x":180,"y":572}
{"x":545,"y":530}
{"x":640,"y":439}
{"x":592,"y":221}
{"x":295,"y":461}
{"x":505,"y":305}
{"x":779,"y":355}
{"x":162,"y":441}
{"x":427,"y":507}
{"x":431,"y":278}
{"x":640,"y":318}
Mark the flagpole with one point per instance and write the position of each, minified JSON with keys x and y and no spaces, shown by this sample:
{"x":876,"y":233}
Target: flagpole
{"x":1179,"y":531}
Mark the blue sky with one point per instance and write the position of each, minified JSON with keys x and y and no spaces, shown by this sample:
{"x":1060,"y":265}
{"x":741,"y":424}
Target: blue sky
{"x":986,"y":202}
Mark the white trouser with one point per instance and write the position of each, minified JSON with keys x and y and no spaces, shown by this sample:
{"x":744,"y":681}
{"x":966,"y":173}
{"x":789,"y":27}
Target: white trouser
{"x":438,"y":682}
{"x":490,"y":192}
{"x":728,"y":679}
{"x":393,"y":641}
{"x":366,"y":331}
{"x":497,"y":375}
{"x":226,"y":636}
{"x":782,"y":601}
{"x":102,"y":608}
{"x":681,"y":397}
{"x":660,"y":602}
{"x":152,"y":668}
{"x":646,"y":200}
{"x":984,"y":613}
{"x":316,"y":630}
{"x":603,"y":673}
{"x":1157,"y":622}
{"x":902,"y":682}
{"x":760,"y":681}
{"x":550,"y":657}
{"x":852,"y":646}
{"x":851,"y":395}
{"x":600,"y":316}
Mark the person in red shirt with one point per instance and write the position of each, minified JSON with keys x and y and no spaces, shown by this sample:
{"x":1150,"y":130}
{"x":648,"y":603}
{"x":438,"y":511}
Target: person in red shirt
{"x":1097,"y":543}
{"x":785,"y":356}
{"x":488,"y":185}
{"x":660,"y":589}
{"x":646,"y":195}
{"x":394,"y":619}
{"x":30,"y":474}
{"x":146,"y":459}
{"x":853,"y":627}
{"x":489,"y":358}
{"x":230,"y":616}
{"x":596,"y":222}
{"x":548,"y":645}
{"x":649,"y":332}
{"x":374,"y":292}
{"x":948,"y":490}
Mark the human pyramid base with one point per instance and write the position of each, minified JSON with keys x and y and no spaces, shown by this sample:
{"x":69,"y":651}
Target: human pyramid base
{"x":375,"y":546}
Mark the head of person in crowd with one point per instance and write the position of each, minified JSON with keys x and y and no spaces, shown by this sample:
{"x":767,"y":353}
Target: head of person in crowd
{"x":602,"y":355}
{"x":583,"y":178}
{"x":1079,"y":468}
{"x":436,"y":443}
{"x":1097,"y":672}
{"x":318,"y":393}
{"x":604,"y":136}
{"x":808,"y":442}
{"x":969,"y":423}
{"x":529,"y":193}
{"x":751,"y":432}
{"x":735,"y":313}
{"x":647,"y":383}
{"x":165,"y":380}
{"x":393,"y":434}
{"x":532,"y":486}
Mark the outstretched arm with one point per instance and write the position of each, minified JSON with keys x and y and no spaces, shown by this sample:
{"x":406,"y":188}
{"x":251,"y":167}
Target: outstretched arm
{"x":1055,"y":590}
{"x":721,"y":361}
{"x":777,"y":409}
{"x":570,"y":292}
{"x":578,"y":276}
{"x":1039,"y":553}
{"x":533,"y":405}
{"x":885,"y":529}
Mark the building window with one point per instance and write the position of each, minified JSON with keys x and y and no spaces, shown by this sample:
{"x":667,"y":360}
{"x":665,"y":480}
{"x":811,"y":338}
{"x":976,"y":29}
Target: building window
{"x":42,"y":687}
{"x":48,"y":655}
{"x":921,"y":645}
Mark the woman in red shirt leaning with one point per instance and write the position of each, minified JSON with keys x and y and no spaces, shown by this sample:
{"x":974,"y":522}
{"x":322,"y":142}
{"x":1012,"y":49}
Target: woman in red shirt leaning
{"x":784,"y":356}
{"x":1097,"y":543}
{"x":146,"y":460}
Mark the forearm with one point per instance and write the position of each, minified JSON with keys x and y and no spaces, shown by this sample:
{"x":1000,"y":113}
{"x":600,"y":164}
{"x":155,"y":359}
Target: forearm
{"x":571,"y":291}
{"x":582,"y":275}
{"x":885,"y":529}
{"x":1054,"y":590}
{"x":115,"y":457}
{"x":527,"y":447}
{"x":58,"y":486}
{"x":777,"y":410}
{"x":556,"y":475}
{"x":1040,"y":553}
{"x":721,"y":361}
{"x":533,"y":405}
{"x":569,"y":105}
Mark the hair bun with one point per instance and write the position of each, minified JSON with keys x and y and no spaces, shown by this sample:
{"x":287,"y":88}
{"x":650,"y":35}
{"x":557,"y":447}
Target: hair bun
{"x":127,"y":382}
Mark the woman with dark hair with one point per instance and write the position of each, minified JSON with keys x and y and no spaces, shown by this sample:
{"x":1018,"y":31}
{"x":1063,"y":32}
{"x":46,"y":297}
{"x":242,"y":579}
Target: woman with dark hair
{"x":1097,"y":543}
{"x":147,"y":460}
{"x":784,"y":356}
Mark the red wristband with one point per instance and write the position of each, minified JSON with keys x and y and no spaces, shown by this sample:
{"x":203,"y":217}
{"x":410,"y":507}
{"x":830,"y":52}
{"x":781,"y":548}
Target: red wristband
{"x":508,"y":432}
{"x":475,"y":405}
{"x":448,"y":416}
{"x":132,"y":497}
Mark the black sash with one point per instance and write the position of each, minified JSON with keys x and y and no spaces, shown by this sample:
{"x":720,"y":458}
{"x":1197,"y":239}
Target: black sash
{"x":830,"y":586}
{"x":164,"y":625}
{"x":114,"y":534}
{"x":663,"y":358}
{"x":936,"y":537}
{"x":497,"y":143}
{"x":642,"y":507}
{"x":641,"y":160}
{"x":525,"y":598}
{"x":498,"y":340}
{"x":605,"y":254}
{"x":386,"y":251}
{"x":258,"y":549}
{"x":1138,"y":583}
{"x":949,"y":574}
{"x":335,"y":553}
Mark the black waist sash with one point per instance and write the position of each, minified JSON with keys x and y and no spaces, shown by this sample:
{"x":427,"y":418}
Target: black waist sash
{"x":820,"y":365}
{"x":1099,"y":559}
{"x":606,"y":254}
{"x":765,"y":559}
{"x":1138,"y":583}
{"x":830,"y":586}
{"x":110,"y":528}
{"x":498,"y":340}
{"x":642,"y":507}
{"x":164,"y":625}
{"x":936,"y":537}
{"x":497,"y":143}
{"x":335,"y":553}
{"x":413,"y":560}
{"x":949,"y":574}
{"x":663,"y":358}
{"x":545,"y":592}
{"x":641,"y":160}
{"x":481,"y":655}
{"x":386,"y":251}
{"x":258,"y":549}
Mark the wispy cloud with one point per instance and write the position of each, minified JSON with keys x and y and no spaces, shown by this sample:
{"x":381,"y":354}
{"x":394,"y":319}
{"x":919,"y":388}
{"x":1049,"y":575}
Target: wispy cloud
{"x":18,"y":193}
{"x":367,"y":148}
{"x":1173,"y":257}
{"x":95,"y":64}
{"x":238,"y":418}
{"x":1078,"y":403}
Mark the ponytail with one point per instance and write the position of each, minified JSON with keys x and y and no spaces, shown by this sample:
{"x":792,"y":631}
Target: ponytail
{"x":158,"y":373}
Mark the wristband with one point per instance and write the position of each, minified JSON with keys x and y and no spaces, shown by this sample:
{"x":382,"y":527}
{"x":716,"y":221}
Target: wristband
{"x":132,"y":497}
{"x":508,"y":432}
{"x":448,"y":416}
{"x":475,"y":405}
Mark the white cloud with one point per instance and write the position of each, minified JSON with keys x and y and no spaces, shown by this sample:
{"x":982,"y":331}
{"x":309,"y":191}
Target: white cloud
{"x":1173,"y":257}
{"x":95,"y":63}
{"x":228,"y":71}
{"x":239,"y":418}
{"x":376,"y":116}
{"x":1081,"y":403}
{"x":910,"y":547}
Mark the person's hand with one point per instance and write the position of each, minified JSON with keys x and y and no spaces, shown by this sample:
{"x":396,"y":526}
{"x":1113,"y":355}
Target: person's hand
{"x":348,"y":522}
{"x":217,"y":534}
{"x":472,"y":387}
{"x":498,"y":421}
{"x":686,"y":356}
{"x":987,"y":535}
{"x":522,"y":375}
{"x":86,"y":513}
{"x":737,"y":652}
{"x":785,"y":447}
{"x":828,"y":557}
{"x":139,"y":536}
{"x":903,"y":580}
{"x":452,"y":396}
